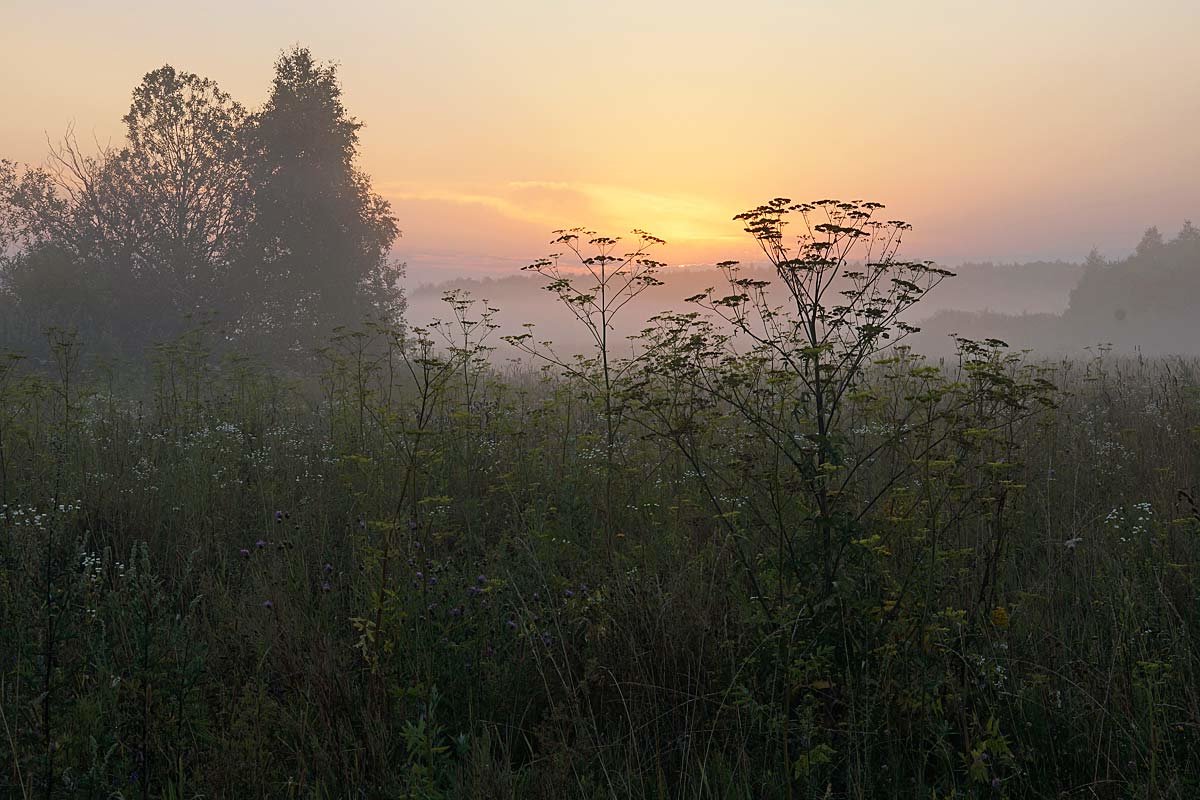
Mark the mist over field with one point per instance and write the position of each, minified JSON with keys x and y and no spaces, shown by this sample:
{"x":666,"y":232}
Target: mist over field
{"x":1139,"y":302}
{"x":627,"y":400}
{"x":982,"y":300}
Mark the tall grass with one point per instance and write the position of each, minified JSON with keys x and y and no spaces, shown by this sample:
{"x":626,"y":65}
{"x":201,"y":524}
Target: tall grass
{"x":416,"y":574}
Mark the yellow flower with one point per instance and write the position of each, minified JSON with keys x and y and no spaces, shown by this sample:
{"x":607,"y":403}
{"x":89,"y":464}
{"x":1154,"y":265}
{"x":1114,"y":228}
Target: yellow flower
{"x":1000,"y":617}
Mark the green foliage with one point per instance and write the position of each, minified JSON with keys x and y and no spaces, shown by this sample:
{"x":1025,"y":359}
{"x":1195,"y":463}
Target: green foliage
{"x":410,"y":574}
{"x":318,"y":242}
{"x":263,"y":220}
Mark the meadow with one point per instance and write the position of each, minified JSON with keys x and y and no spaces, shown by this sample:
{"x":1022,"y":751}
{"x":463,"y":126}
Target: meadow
{"x":413,"y":572}
{"x":831,"y":524}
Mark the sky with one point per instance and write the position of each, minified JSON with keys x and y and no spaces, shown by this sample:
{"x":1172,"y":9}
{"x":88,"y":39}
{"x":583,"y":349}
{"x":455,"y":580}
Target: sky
{"x":1001,"y":130}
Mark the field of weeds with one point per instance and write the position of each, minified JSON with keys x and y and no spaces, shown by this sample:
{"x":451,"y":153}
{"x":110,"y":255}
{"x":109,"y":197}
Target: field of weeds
{"x":412,"y":574}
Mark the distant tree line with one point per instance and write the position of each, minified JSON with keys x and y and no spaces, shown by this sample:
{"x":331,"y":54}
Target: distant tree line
{"x":261,"y":220}
{"x":1145,"y":301}
{"x":1160,"y":279}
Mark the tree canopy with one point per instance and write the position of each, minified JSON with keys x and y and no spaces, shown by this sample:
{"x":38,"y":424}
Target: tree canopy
{"x":263,"y":218}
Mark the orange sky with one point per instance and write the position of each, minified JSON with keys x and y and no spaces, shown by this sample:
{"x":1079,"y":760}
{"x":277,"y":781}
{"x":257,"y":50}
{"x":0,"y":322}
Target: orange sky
{"x":1005,"y":130}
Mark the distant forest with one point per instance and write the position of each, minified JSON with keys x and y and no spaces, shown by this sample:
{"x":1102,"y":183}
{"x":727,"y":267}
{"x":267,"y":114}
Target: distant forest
{"x":1146,"y":302}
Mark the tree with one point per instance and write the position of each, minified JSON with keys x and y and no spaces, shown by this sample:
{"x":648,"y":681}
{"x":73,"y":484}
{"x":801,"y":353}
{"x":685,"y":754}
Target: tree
{"x":142,"y":235}
{"x":8,"y":232}
{"x":71,"y":238}
{"x":317,"y":247}
{"x":187,"y":172}
{"x":1152,"y":242}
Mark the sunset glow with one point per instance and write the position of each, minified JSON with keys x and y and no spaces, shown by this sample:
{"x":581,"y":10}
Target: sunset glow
{"x":1002,"y":131}
{"x":583,"y":399}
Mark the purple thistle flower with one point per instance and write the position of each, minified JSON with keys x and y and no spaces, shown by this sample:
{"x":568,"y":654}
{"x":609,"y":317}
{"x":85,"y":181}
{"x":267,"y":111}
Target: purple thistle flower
{"x":996,"y":783}
{"x":279,"y":516}
{"x":326,"y":586}
{"x":433,"y":580}
{"x":328,"y":568}
{"x":568,"y":593}
{"x":267,"y":604}
{"x":244,"y":553}
{"x":481,"y":579}
{"x":456,"y":612}
{"x":260,"y":544}
{"x":473,"y":591}
{"x":512,"y":624}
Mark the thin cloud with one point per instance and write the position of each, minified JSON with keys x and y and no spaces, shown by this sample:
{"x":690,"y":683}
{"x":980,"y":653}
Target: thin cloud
{"x":610,"y":208}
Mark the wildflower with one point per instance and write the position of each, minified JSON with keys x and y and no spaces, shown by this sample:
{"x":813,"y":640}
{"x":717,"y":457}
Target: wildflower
{"x":481,"y":579}
{"x":473,"y":591}
{"x":456,"y":612}
{"x":267,"y":604}
{"x":433,"y":580}
{"x":260,"y":544}
{"x":244,"y":553}
{"x":325,"y":586}
{"x":996,"y":783}
{"x":512,"y":624}
{"x":1073,"y":542}
{"x":1000,"y":617}
{"x":568,"y":593}
{"x":328,"y":569}
{"x":279,"y":516}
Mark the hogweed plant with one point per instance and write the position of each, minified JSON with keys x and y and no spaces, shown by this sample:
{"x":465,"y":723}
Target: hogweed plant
{"x":802,"y":415}
{"x":595,"y":284}
{"x":842,"y":292}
